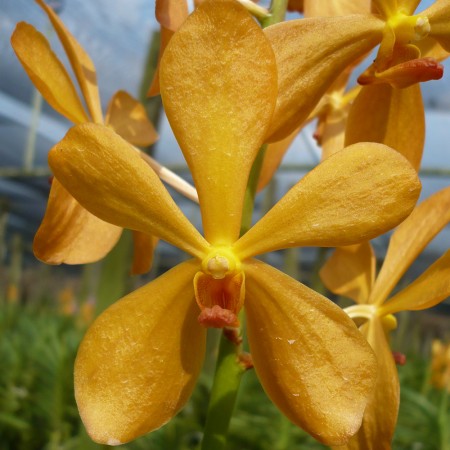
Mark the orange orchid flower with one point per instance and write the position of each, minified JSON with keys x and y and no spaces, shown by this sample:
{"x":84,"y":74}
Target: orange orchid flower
{"x":139,"y":361}
{"x":69,"y":233}
{"x":351,"y":272}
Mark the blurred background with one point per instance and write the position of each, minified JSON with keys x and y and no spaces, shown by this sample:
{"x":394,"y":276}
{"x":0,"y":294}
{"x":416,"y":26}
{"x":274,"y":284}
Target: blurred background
{"x":44,"y":310}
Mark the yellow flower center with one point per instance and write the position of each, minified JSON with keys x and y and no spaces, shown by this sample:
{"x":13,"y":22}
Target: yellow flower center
{"x":220,"y":262}
{"x":409,"y":29}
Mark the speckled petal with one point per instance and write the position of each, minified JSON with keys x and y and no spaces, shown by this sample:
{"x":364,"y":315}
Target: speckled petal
{"x":128,"y":118}
{"x":390,"y":116}
{"x":311,"y":359}
{"x":408,"y":241}
{"x":70,"y":234}
{"x":47,"y":72}
{"x":110,"y":179}
{"x":138,"y":363}
{"x":352,"y":196}
{"x":311,"y":53}
{"x":218,"y":85}
{"x":350,"y":271}
{"x":81,"y":63}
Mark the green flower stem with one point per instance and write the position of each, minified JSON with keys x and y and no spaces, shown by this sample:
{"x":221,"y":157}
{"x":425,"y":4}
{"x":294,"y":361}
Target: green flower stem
{"x":250,"y":193}
{"x":224,"y":391}
{"x":229,"y":368}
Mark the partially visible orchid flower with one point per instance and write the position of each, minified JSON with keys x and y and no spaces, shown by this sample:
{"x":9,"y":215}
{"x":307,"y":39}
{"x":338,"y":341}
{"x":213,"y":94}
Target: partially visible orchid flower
{"x":325,"y":46}
{"x":332,"y":108}
{"x":440,"y":365}
{"x":139,"y":361}
{"x":69,"y":233}
{"x":351,"y":272}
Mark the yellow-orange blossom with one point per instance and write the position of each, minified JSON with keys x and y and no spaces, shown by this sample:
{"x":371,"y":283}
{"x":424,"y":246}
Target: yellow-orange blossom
{"x":138,"y":362}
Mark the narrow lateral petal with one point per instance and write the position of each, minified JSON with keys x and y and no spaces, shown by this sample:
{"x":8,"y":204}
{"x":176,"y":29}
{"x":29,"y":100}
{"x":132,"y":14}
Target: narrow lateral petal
{"x":408,"y":241}
{"x":81,"y":63}
{"x":439,"y":17}
{"x":311,"y":359}
{"x":390,"y":116}
{"x":70,"y":234}
{"x":352,"y":196}
{"x":143,"y":249}
{"x":137,"y":364}
{"x":350,"y":271}
{"x":273,"y":157}
{"x":311,"y":53}
{"x":47,"y":72}
{"x":128,"y":118}
{"x":110,"y":179}
{"x":218,"y":85}
{"x":431,"y":288}
{"x":380,"y":416}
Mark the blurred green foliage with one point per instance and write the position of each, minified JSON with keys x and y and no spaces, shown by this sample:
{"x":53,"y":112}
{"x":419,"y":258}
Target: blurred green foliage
{"x":38,"y":411}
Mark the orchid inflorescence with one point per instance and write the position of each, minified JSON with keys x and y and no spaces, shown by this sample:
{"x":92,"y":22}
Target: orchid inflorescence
{"x":230,"y":86}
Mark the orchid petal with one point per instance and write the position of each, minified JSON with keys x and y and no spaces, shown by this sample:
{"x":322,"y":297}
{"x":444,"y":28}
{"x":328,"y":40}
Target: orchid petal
{"x":272,"y":159}
{"x":143,"y":249}
{"x":165,"y":36}
{"x":394,"y":117}
{"x":81,"y":63}
{"x":314,"y":8}
{"x":333,"y":134}
{"x":219,"y":111}
{"x":70,"y":234}
{"x":431,"y":288}
{"x":378,"y":423}
{"x":137,"y":364}
{"x":386,"y":8}
{"x":439,"y":18}
{"x":128,"y":118}
{"x":408,"y":241}
{"x":309,"y":356}
{"x":350,"y":271}
{"x":310,"y":54}
{"x":110,"y":179}
{"x":170,"y":14}
{"x":352,"y":196}
{"x":408,"y":6}
{"x":47,"y":72}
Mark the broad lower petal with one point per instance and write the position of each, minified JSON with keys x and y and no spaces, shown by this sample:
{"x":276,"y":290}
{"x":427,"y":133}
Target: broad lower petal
{"x":431,"y":288}
{"x":408,"y":241}
{"x":311,"y":359}
{"x":390,"y":116}
{"x":350,"y":271}
{"x":47,"y":72}
{"x":352,"y":196}
{"x":81,"y":63}
{"x":110,"y":179}
{"x":220,"y":107}
{"x":310,"y":55}
{"x":143,"y":249}
{"x":70,"y":234}
{"x":380,"y":416}
{"x":128,"y":118}
{"x":138,"y":362}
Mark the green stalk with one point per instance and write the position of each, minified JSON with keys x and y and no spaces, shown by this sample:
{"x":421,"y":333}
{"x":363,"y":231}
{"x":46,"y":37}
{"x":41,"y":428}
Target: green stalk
{"x":227,"y":379}
{"x":229,"y":368}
